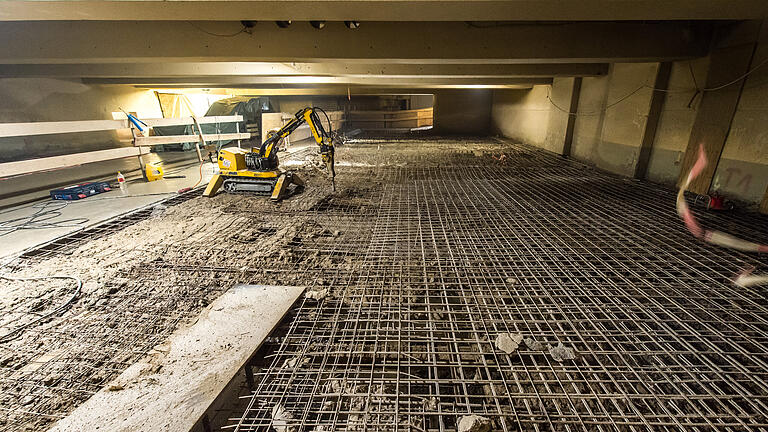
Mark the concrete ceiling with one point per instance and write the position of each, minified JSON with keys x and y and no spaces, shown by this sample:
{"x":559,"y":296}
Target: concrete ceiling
{"x":84,"y":42}
{"x":385,"y":10}
{"x":223,"y":69}
{"x":420,"y":46}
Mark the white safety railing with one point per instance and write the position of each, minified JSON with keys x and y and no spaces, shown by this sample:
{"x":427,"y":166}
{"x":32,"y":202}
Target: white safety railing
{"x":141,"y":143}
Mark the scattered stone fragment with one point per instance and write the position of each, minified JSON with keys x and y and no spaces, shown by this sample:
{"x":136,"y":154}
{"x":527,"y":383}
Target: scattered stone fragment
{"x":508,"y":342}
{"x":50,"y":379}
{"x":474,"y":423}
{"x":561,"y":352}
{"x":430,"y":404}
{"x":294,"y":361}
{"x":115,"y":387}
{"x":281,"y":419}
{"x":534,"y":344}
{"x":317,"y":293}
{"x":511,"y":280}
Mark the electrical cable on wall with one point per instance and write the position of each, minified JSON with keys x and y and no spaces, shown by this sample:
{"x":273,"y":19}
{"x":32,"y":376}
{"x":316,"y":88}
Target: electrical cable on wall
{"x":646,"y":86}
{"x":244,"y":29}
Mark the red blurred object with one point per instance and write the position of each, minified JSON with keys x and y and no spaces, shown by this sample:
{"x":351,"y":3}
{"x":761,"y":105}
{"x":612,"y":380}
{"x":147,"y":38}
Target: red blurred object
{"x":718,"y":202}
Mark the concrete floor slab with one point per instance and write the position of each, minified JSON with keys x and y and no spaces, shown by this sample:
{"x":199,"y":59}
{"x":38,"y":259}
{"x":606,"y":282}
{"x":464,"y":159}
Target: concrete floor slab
{"x":95,"y":209}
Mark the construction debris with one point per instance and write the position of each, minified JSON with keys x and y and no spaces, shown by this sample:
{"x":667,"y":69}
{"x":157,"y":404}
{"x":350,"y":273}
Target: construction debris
{"x":317,"y":293}
{"x":508,"y":342}
{"x":474,"y":423}
{"x":561,"y":352}
{"x":282,"y":419}
{"x":534,"y":345}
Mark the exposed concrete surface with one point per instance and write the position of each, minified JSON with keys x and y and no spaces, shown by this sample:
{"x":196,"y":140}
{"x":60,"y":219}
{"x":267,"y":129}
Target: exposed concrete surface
{"x":96,"y":208}
{"x":743,"y":169}
{"x":676,"y":120}
{"x":611,"y":140}
{"x":523,"y":115}
{"x":529,"y":117}
{"x":171,"y":388}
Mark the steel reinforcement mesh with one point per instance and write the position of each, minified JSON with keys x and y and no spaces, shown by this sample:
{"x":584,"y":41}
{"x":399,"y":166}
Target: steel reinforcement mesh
{"x":454,"y":251}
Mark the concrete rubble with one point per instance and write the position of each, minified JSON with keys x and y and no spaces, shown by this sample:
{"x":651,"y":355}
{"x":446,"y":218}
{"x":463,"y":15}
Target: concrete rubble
{"x":474,"y":423}
{"x":508,"y":342}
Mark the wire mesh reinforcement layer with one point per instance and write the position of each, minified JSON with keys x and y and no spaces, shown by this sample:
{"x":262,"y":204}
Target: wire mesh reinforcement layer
{"x":457,"y":253}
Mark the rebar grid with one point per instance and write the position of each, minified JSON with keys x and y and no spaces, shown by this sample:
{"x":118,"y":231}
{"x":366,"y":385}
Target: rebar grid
{"x":464,"y":246}
{"x":156,"y":269}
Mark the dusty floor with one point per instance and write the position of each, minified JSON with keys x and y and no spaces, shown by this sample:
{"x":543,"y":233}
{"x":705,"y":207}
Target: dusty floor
{"x":430,"y":249}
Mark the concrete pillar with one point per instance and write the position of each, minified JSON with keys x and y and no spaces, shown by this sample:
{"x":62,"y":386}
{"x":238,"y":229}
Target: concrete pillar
{"x":652,"y":123}
{"x":731,"y":58}
{"x":575,"y":91}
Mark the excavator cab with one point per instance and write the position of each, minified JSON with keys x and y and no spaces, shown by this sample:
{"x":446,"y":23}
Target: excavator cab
{"x":257,"y":171}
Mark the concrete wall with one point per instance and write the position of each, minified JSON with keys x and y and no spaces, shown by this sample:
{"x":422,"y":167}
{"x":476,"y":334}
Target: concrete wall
{"x":608,"y":133}
{"x":529,"y":117}
{"x":465,"y":112}
{"x":30,"y":100}
{"x":743,"y":168}
{"x":522,"y":115}
{"x":676,"y":120}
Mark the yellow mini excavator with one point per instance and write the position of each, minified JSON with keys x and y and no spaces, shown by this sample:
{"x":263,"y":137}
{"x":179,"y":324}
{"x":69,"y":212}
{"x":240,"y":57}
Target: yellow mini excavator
{"x":256,"y":171}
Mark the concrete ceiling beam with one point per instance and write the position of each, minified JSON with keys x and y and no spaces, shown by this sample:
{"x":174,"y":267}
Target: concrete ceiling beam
{"x":380,"y":42}
{"x":323,"y":91}
{"x":385,"y":10}
{"x":304,"y":81}
{"x":171,"y":70}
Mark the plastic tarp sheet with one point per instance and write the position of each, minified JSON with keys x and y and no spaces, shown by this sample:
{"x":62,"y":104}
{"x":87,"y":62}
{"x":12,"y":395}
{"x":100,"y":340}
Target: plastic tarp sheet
{"x":248,"y":107}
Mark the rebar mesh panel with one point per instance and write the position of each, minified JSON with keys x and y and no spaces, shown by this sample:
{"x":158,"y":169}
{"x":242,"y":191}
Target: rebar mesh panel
{"x":465,"y":246}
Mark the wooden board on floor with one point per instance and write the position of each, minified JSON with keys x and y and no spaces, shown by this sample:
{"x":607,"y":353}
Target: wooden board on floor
{"x":171,"y":389}
{"x":29,"y":166}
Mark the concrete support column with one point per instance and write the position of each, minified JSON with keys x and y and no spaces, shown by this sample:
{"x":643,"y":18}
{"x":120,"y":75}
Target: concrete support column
{"x":764,"y":204}
{"x":731,"y":58}
{"x":652,"y":123}
{"x":571,"y":122}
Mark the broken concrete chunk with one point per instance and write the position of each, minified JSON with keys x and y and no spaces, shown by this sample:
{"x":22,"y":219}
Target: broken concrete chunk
{"x":534,"y":344}
{"x":115,"y":387}
{"x":281,"y":419}
{"x":295,"y":361}
{"x":317,"y":293}
{"x":511,"y":281}
{"x":508,"y":342}
{"x":561,"y":352}
{"x":474,"y":423}
{"x":430,"y":404}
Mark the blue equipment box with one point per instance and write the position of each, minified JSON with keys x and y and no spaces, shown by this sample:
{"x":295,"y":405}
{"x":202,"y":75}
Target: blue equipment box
{"x":80,"y":191}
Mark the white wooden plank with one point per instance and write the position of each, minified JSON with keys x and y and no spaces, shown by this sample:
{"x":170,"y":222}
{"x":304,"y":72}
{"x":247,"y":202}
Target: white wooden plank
{"x":175,"y":139}
{"x":29,"y":166}
{"x":48,"y":128}
{"x":188,"y":120}
{"x":171,"y":388}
